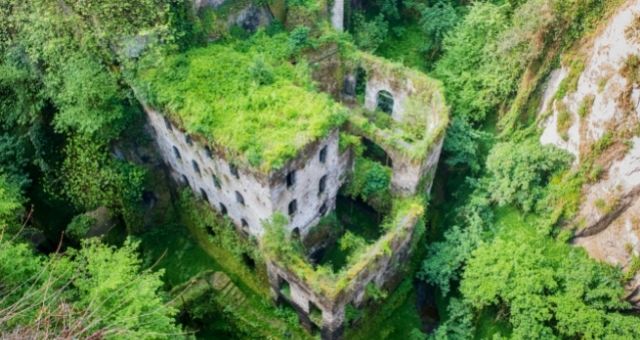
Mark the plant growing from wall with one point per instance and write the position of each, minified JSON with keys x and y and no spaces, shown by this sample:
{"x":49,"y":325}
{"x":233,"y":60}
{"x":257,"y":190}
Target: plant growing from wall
{"x":370,"y":182}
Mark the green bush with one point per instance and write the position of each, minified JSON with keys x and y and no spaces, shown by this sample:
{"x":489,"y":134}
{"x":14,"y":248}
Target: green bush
{"x":79,"y":226}
{"x":370,"y":182}
{"x":521,"y":170}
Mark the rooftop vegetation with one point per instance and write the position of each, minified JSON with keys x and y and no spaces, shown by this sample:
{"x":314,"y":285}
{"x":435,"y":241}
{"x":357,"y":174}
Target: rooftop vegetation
{"x":425,"y":115}
{"x":244,"y":98}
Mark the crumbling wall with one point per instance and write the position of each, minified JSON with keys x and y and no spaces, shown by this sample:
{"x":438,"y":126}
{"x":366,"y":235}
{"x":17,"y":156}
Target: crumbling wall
{"x":263,"y":195}
{"x":379,"y":269}
{"x":416,"y":102}
{"x":255,"y":192}
{"x":409,"y":178}
{"x":309,"y":170}
{"x":399,"y":89}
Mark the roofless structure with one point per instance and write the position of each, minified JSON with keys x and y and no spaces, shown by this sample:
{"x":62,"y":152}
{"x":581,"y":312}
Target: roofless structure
{"x":269,"y":138}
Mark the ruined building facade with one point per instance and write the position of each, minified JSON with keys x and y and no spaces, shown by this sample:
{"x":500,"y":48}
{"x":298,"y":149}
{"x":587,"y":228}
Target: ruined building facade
{"x":305,"y":188}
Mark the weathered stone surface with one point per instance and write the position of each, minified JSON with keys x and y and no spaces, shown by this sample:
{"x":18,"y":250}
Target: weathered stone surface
{"x":263,"y":194}
{"x":607,"y":223}
{"x":337,"y":15}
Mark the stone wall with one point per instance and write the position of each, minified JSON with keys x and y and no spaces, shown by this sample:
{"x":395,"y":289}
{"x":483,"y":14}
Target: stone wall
{"x":377,"y":83}
{"x":378,"y":269}
{"x":309,"y":171}
{"x":409,"y":177}
{"x":337,"y":15}
{"x":257,"y":207}
{"x":262,"y":195}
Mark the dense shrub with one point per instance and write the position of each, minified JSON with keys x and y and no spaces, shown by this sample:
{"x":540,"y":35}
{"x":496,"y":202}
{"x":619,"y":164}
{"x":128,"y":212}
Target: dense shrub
{"x":521,"y":170}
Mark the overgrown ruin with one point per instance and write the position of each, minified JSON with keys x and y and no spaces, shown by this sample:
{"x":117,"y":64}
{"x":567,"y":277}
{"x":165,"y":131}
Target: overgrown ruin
{"x":370,"y":113}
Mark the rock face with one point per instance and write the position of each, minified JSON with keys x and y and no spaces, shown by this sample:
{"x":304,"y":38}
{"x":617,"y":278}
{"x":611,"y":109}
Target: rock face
{"x":597,"y":120}
{"x":600,"y":87}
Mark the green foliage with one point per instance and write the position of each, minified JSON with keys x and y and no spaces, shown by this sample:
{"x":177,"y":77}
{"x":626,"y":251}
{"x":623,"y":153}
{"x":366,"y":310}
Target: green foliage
{"x":352,"y":243}
{"x":94,"y":290}
{"x":370,"y":182}
{"x":395,"y":318}
{"x":570,"y":82}
{"x":603,"y":143}
{"x":80,"y":226}
{"x":89,"y":99}
{"x":564,"y":121}
{"x":521,"y":170}
{"x":10,"y":203}
{"x":299,"y":38}
{"x":263,"y":121}
{"x":633,"y":269}
{"x":374,"y":292}
{"x":446,"y":259}
{"x":459,"y":324}
{"x":436,"y":20}
{"x":586,"y":105}
{"x":62,"y":67}
{"x":370,"y":34}
{"x":551,"y":289}
{"x":92,"y":178}
{"x":127,"y":295}
{"x":474,"y":80}
{"x":462,"y":145}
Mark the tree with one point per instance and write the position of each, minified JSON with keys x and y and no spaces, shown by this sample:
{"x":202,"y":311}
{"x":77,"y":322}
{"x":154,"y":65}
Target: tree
{"x":521,"y":170}
{"x":370,"y":34}
{"x":10,"y":203}
{"x":97,"y":291}
{"x":436,"y":21}
{"x":551,"y":289}
{"x":462,"y":145}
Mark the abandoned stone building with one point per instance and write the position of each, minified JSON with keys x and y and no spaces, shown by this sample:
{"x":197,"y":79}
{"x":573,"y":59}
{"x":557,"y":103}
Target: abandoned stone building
{"x":397,"y":115}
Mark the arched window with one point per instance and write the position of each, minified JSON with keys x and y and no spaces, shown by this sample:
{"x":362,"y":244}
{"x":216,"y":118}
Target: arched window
{"x":167,"y":123}
{"x":234,"y":171}
{"x":207,"y":151}
{"x":291,"y":178}
{"x":323,"y":155}
{"x":322,"y":185}
{"x":176,"y":153}
{"x":223,"y":209}
{"x":216,"y":181}
{"x":188,"y":140}
{"x":295,"y":233}
{"x":204,"y":195}
{"x":185,"y":180}
{"x":196,"y":167}
{"x":323,"y":209}
{"x":293,"y":207}
{"x":385,"y":102}
{"x":244,"y":222}
{"x":239,"y":198}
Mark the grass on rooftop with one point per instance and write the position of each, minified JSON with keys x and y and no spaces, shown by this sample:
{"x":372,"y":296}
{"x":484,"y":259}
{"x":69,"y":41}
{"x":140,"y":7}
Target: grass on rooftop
{"x":243,"y":97}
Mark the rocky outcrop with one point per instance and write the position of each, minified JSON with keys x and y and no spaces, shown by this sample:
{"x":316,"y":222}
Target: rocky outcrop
{"x":603,"y":97}
{"x":591,"y":109}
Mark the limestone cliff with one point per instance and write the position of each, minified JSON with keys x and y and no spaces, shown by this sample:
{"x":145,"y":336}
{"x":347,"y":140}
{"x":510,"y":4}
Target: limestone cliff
{"x":591,"y":108}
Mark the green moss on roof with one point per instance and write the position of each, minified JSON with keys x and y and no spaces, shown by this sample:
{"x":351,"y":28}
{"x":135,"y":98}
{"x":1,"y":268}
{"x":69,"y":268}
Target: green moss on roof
{"x":244,"y":98}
